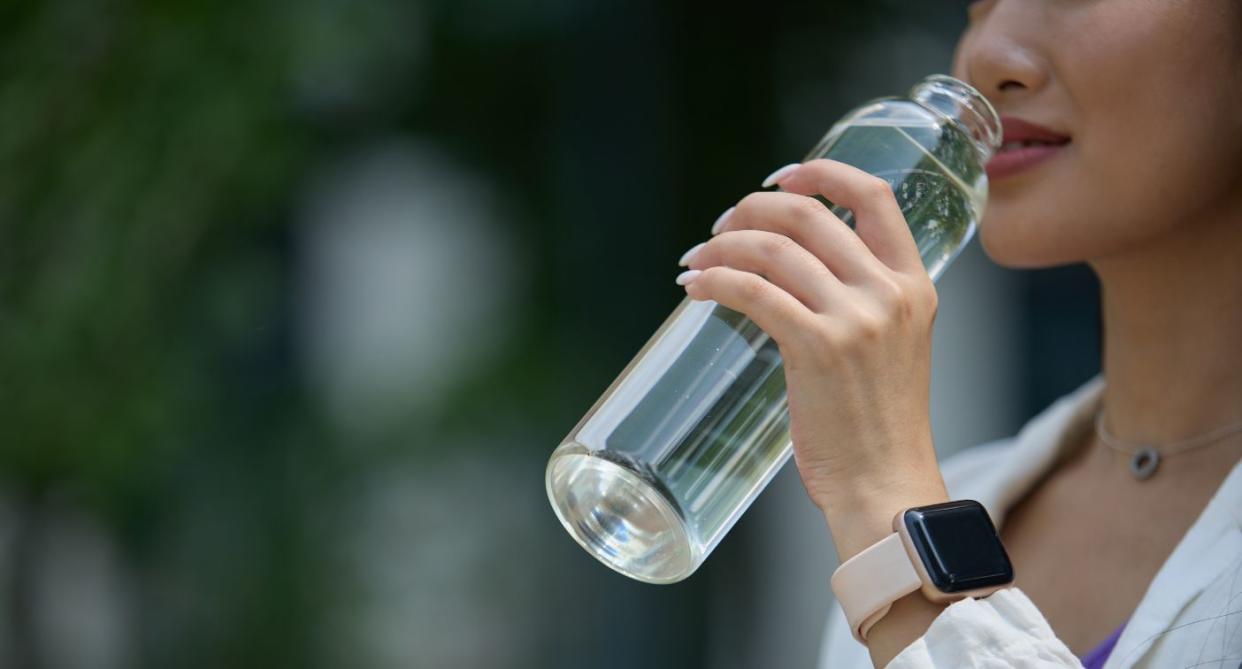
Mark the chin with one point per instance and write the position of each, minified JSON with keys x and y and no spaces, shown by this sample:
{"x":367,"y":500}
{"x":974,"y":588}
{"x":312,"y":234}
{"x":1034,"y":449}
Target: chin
{"x":1024,"y":244}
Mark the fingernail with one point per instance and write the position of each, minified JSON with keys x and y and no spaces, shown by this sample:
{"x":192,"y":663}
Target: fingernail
{"x":688,"y":276}
{"x":719,"y":224}
{"x":775,"y":177}
{"x":686,"y":257}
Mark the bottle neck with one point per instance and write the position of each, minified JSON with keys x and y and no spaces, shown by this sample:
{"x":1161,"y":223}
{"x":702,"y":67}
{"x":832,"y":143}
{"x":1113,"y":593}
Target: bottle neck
{"x":964,"y":106}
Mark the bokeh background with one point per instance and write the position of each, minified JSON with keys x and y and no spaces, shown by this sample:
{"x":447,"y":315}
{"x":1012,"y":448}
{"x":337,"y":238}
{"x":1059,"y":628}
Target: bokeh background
{"x":297,"y":297}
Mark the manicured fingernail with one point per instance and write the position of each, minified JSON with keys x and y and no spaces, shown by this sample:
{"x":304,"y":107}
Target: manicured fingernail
{"x":775,"y":177}
{"x":686,"y":257}
{"x":716,"y":227}
{"x":688,"y":276}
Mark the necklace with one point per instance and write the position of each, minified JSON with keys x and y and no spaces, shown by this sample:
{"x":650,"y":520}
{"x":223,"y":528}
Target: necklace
{"x":1145,"y":459}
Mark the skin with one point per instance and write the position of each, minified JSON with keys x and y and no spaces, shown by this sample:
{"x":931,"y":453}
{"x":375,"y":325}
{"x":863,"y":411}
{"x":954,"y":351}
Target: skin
{"x":1148,"y":194}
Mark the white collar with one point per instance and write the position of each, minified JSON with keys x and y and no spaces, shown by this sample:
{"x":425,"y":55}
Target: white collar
{"x":1207,"y":549}
{"x":999,"y":477}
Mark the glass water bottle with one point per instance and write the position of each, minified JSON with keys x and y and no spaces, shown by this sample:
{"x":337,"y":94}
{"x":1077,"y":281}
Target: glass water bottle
{"x":696,"y":425}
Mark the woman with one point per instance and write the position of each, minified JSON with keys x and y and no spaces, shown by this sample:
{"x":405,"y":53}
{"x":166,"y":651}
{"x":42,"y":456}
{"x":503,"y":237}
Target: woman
{"x":1138,"y":106}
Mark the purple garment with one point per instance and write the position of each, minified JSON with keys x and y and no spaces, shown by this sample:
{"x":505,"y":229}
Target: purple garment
{"x":1096,"y":657}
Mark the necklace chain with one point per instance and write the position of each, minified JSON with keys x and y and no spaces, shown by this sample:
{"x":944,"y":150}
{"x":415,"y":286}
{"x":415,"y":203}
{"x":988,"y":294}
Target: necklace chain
{"x":1167,"y":450}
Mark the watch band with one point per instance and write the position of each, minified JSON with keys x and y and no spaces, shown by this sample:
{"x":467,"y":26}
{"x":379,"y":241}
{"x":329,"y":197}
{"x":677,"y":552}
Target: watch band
{"x":867,"y":584}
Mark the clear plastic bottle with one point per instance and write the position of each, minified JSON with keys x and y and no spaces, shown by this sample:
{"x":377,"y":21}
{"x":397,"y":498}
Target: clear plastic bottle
{"x":682,"y":442}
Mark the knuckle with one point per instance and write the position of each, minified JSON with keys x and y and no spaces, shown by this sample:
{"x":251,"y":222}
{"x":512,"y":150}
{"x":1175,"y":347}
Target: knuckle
{"x":902,"y":310}
{"x":808,"y":208}
{"x":823,"y":275}
{"x":867,"y":327}
{"x":922,"y":295}
{"x":837,"y":338}
{"x":908,"y":300}
{"x":753,"y":288}
{"x":889,"y":290}
{"x":711,"y":276}
{"x":819,"y":164}
{"x":874,"y":187}
{"x":858,"y":331}
{"x":750,"y":204}
{"x":901,"y":307}
{"x":777,"y":246}
{"x":892,"y":298}
{"x":931,"y":298}
{"x":705,"y":283}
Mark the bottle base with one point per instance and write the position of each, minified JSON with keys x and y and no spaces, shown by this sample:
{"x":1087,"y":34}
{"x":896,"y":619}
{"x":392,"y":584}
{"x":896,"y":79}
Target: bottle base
{"x":620,"y":518}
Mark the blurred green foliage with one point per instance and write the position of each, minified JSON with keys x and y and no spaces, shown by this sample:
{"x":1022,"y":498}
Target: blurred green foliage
{"x":143,"y":145}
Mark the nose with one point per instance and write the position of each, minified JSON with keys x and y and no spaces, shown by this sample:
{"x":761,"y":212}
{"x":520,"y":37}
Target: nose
{"x":999,"y":54}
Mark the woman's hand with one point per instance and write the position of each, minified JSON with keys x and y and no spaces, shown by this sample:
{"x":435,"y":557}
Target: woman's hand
{"x":852,"y":314}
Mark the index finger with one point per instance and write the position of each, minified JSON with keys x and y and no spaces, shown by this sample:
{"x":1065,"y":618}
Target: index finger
{"x":877,"y":217}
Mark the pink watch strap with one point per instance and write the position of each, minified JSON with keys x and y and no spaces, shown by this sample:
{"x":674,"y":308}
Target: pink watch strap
{"x":867,"y":584}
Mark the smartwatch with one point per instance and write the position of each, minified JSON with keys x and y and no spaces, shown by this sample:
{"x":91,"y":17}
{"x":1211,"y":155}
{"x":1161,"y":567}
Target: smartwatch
{"x":948,"y":551}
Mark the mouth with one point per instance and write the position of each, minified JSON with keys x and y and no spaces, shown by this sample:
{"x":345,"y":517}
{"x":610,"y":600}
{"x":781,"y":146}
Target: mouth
{"x":1025,"y":146}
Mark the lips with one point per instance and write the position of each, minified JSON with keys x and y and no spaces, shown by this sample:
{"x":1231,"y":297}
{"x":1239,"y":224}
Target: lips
{"x":1024,"y":146}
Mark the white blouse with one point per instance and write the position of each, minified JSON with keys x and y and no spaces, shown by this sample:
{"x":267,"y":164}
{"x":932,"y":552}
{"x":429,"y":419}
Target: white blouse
{"x":1190,"y":616}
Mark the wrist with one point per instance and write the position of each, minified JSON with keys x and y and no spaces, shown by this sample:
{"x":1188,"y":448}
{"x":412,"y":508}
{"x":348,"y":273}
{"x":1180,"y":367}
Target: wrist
{"x":945,"y":551}
{"x":861,"y":515}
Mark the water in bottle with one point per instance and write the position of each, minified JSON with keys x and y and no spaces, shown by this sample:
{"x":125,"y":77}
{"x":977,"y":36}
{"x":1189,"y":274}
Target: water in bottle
{"x":696,"y":425}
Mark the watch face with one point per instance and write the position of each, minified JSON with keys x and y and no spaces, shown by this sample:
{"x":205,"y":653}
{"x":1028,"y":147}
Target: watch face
{"x":959,"y":546}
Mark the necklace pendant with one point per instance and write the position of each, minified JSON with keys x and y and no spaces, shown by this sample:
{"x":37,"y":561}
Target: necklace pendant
{"x":1145,"y":463}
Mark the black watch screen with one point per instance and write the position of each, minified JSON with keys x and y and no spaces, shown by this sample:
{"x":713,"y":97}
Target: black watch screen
{"x":959,"y":546}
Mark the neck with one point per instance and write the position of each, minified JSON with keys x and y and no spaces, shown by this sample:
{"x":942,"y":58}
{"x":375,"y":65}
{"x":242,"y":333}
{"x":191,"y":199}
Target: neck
{"x":1172,"y":311}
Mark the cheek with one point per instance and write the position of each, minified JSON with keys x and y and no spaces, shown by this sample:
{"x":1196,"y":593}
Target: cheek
{"x":1114,"y":188}
{"x":1050,"y":216}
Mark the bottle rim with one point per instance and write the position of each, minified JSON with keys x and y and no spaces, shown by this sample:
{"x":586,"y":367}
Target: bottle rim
{"x":965,"y":106}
